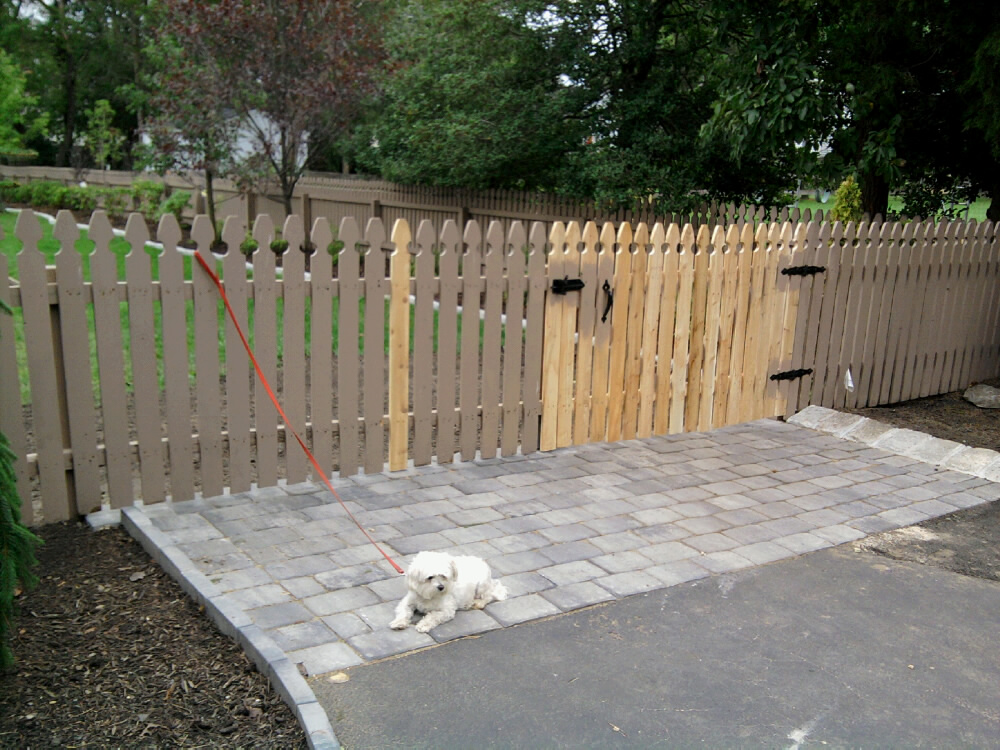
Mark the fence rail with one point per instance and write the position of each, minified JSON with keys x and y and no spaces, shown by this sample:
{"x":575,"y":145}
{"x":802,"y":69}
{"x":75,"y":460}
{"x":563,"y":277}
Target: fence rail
{"x":447,"y":344}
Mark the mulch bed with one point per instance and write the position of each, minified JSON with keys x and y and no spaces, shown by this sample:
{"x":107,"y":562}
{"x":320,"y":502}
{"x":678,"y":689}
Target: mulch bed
{"x":112,"y":653}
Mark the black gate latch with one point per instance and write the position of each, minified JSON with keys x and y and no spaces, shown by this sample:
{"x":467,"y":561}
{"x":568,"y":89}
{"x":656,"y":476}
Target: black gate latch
{"x":561,"y":286}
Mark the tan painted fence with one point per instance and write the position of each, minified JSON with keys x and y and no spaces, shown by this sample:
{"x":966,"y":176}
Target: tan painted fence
{"x":336,"y":197}
{"x":138,"y":388}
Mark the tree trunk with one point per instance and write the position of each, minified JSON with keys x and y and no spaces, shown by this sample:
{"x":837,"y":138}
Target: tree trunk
{"x":65,"y":152}
{"x":874,"y":195}
{"x":993,"y":212}
{"x":210,"y":200}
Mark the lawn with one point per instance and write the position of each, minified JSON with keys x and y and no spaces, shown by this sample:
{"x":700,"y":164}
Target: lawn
{"x":976,"y":210}
{"x":10,"y":246}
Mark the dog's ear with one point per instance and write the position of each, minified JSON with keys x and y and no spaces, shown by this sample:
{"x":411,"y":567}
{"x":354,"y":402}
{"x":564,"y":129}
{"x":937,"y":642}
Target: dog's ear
{"x":412,"y":577}
{"x":453,"y":570}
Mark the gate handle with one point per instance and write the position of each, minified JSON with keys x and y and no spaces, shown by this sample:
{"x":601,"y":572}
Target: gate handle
{"x":611,"y":301}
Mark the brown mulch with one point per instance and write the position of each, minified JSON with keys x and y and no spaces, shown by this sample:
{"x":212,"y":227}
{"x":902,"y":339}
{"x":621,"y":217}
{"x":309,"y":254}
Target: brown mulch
{"x":948,"y":416}
{"x":112,"y":654}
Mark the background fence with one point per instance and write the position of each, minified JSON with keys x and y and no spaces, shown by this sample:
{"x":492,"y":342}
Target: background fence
{"x":335,"y":198}
{"x":122,"y":380}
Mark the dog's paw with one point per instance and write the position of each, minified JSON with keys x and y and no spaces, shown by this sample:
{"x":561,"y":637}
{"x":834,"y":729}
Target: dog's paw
{"x":399,"y":624}
{"x":423,"y":627}
{"x":479,"y":604}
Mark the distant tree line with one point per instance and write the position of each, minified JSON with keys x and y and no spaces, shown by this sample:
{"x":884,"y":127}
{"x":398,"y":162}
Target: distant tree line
{"x":671,"y":101}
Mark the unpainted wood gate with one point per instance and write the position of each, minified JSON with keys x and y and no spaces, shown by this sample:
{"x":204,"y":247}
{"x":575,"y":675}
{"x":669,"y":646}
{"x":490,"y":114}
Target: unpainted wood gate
{"x":650,"y":331}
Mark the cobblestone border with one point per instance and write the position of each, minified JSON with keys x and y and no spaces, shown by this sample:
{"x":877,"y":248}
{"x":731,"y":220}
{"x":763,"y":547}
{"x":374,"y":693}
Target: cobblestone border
{"x":235,"y":623}
{"x":979,"y":462}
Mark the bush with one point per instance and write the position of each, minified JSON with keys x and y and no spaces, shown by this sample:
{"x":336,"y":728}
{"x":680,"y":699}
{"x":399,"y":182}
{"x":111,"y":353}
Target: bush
{"x":46,"y":194}
{"x":847,"y":202}
{"x":17,"y":546}
{"x":9,"y":191}
{"x":116,"y":201}
{"x":147,"y":196}
{"x":249,"y":245}
{"x":175,"y":203}
{"x":79,"y":198}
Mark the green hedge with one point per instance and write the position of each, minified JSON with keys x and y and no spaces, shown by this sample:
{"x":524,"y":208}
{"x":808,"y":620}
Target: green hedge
{"x":145,"y":196}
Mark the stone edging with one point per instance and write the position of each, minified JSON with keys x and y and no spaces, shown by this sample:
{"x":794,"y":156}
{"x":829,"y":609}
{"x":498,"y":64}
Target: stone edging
{"x":979,"y":462}
{"x":270,"y":660}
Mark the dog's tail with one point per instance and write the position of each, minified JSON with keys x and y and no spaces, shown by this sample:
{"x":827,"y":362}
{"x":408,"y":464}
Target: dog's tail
{"x":499,"y":591}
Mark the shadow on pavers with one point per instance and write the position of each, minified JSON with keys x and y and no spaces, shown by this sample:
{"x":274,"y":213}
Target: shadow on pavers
{"x":838,"y":647}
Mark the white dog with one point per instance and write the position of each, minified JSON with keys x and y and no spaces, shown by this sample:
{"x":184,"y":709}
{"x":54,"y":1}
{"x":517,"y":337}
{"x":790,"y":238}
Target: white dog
{"x":441,"y":584}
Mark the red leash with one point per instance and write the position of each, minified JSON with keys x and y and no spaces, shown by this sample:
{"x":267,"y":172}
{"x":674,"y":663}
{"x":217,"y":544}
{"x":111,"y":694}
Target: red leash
{"x":274,"y":400}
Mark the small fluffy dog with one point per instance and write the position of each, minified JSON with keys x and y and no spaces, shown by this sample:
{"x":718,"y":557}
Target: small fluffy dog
{"x":441,"y":584}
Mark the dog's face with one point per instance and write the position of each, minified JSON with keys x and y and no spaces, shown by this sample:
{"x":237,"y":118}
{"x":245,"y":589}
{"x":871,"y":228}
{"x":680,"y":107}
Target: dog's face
{"x":431,"y":574}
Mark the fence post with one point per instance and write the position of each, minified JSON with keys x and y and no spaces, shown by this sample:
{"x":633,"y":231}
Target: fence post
{"x":306,"y":211}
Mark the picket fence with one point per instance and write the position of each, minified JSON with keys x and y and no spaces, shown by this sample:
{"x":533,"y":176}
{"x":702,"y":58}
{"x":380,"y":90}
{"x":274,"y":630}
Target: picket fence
{"x":456,"y":343}
{"x":336,"y":197}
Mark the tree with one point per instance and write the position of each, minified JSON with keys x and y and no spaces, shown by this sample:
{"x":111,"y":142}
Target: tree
{"x":19,"y":119}
{"x":595,"y":99}
{"x":103,"y":140}
{"x":876,"y":88}
{"x":646,"y":71}
{"x":470,"y":98}
{"x":186,"y":133}
{"x":74,"y":53}
{"x":288,"y":71}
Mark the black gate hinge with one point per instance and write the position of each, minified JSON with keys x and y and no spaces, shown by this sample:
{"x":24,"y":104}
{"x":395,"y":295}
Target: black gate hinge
{"x":561,"y":286}
{"x":802,"y":270}
{"x":790,"y":374}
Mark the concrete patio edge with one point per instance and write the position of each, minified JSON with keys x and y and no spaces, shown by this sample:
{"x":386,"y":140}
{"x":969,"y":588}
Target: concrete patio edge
{"x":231,"y":620}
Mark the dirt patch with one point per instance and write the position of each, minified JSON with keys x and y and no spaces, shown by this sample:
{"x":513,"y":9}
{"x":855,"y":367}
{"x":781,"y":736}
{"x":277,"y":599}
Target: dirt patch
{"x":112,"y":653}
{"x":968,"y":541}
{"x":949,"y":416}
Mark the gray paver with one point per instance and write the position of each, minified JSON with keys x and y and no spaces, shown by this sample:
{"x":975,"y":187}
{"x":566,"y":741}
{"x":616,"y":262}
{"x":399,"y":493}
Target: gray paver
{"x":469,"y":622}
{"x":302,"y":635}
{"x":356,"y":575}
{"x":526,"y":583}
{"x":677,"y":572}
{"x":346,"y":625}
{"x":668,"y":552}
{"x":800,"y":544}
{"x":326,"y":658}
{"x":381,"y":643}
{"x":764,"y":552}
{"x":626,"y":584}
{"x":620,"y":562}
{"x":570,"y":533}
{"x":572,"y":572}
{"x":519,"y":562}
{"x":276,"y":615}
{"x":722,"y":562}
{"x":521,"y":609}
{"x":340,"y":601}
{"x":570,"y":551}
{"x":618,"y":542}
{"x":577,"y":595}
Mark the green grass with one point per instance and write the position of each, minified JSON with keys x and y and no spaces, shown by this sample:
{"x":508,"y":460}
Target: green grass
{"x":11,"y":246}
{"x":976,"y":211}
